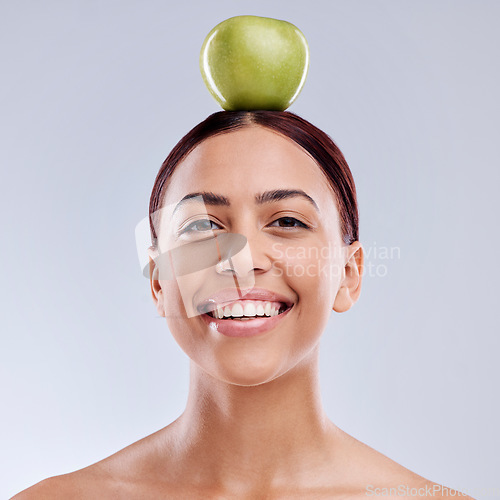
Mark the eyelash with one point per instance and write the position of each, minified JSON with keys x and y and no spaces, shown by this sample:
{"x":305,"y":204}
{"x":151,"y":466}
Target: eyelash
{"x":187,"y":228}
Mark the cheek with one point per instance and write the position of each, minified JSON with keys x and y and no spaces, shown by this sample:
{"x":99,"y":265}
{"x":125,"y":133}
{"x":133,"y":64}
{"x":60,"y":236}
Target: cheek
{"x":175,"y":313}
{"x":182,"y":293}
{"x":188,"y":330}
{"x":172,"y":300}
{"x":313,"y":271}
{"x":183,"y":329}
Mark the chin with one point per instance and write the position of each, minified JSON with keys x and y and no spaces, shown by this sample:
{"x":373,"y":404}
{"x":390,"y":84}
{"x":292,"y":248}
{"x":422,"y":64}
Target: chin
{"x":246,"y":381}
{"x":247,"y":374}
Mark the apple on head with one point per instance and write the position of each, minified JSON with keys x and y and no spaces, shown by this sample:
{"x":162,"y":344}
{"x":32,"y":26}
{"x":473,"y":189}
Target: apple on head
{"x":252,"y":62}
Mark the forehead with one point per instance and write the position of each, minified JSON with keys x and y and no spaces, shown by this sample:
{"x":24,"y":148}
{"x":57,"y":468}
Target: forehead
{"x":244,"y":162}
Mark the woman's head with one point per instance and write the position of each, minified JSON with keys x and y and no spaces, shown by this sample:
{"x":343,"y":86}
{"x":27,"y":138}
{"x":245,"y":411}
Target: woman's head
{"x":260,"y":177}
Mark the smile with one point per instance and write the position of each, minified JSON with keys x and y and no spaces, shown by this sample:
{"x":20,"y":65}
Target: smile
{"x":248,"y":309}
{"x":246,"y":318}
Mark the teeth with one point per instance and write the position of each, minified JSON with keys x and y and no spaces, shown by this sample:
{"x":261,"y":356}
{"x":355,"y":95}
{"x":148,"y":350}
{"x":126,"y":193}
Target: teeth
{"x":237,"y":310}
{"x":267,"y":309}
{"x":248,"y":309}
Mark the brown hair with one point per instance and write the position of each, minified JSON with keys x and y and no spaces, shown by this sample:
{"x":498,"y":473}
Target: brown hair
{"x":316,"y":142}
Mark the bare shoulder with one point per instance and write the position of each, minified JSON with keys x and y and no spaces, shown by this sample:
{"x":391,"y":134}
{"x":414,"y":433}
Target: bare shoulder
{"x":43,"y":490}
{"x":98,"y":480}
{"x":79,"y":484}
{"x":380,"y":476}
{"x":128,"y":473}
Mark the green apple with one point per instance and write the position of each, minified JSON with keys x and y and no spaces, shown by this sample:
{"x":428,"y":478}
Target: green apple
{"x":252,"y":62}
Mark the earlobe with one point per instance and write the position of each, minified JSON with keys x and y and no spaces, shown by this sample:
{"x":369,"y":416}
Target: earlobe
{"x":350,"y":287}
{"x":156,"y":290}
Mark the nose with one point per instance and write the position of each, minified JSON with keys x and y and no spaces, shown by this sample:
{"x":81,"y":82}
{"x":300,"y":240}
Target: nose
{"x":252,"y":258}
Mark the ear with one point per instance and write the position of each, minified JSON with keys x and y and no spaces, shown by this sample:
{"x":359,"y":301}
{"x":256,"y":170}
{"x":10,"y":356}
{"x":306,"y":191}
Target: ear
{"x":350,"y":286}
{"x":156,"y":290}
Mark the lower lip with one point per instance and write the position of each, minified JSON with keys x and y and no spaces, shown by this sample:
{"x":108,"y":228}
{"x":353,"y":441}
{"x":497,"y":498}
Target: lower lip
{"x":248,"y":328}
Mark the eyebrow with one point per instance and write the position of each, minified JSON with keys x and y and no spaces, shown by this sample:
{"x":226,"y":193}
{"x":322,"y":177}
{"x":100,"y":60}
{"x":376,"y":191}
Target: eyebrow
{"x":214,"y":199}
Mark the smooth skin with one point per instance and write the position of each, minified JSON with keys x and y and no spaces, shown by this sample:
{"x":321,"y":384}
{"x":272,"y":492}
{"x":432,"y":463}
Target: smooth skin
{"x":254,"y":426}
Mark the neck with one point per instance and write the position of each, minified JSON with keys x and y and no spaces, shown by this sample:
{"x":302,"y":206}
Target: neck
{"x":263,"y":434}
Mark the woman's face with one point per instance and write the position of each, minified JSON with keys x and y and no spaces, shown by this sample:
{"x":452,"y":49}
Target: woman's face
{"x":294,"y":249}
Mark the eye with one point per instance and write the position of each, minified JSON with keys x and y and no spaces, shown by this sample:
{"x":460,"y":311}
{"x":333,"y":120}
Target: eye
{"x":198,"y":226}
{"x":288,"y":223}
{"x":204,"y":225}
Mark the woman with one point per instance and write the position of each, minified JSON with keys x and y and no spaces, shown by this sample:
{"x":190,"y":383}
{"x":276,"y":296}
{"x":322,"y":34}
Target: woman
{"x":254,"y":426}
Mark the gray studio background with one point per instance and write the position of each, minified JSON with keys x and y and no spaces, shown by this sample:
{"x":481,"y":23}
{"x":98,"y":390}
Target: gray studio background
{"x":94,"y":94}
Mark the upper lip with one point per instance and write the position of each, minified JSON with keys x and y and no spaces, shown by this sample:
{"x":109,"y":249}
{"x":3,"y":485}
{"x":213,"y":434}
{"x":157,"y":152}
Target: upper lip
{"x":227,"y":296}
